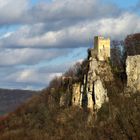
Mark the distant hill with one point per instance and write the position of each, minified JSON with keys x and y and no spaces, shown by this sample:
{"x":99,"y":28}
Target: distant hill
{"x":11,"y":99}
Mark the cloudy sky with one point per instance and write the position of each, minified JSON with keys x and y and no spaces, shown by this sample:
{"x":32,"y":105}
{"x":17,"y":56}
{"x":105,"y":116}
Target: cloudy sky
{"x":40,"y":39}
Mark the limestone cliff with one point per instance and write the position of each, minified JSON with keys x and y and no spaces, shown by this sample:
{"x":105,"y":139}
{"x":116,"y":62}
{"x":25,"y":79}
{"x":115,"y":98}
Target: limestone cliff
{"x":99,"y":80}
{"x":133,"y":72}
{"x":92,"y":91}
{"x":99,"y":73}
{"x":77,"y":95}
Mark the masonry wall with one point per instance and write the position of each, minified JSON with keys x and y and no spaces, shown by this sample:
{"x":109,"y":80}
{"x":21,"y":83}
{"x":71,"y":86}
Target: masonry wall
{"x":102,"y":46}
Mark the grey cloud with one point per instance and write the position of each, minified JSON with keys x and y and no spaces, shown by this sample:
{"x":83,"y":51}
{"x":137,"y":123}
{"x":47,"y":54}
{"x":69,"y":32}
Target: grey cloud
{"x":71,"y":10}
{"x":61,"y":23}
{"x":75,"y":36}
{"x":12,"y":10}
{"x":28,"y":56}
{"x":57,"y":13}
{"x":31,"y":77}
{"x":66,"y":13}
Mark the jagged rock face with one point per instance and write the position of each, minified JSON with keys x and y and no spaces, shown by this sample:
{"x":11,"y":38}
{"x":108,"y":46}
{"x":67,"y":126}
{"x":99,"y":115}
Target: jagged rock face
{"x":91,"y":77}
{"x":100,"y":94}
{"x":76,"y":94}
{"x":93,"y":69}
{"x":93,"y":93}
{"x":96,"y":92}
{"x":133,"y":72}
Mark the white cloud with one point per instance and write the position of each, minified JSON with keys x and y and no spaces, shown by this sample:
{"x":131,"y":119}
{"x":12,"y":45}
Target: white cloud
{"x":77,"y":35}
{"x":6,"y":35}
{"x":119,"y":27}
{"x":71,"y":10}
{"x":67,"y":11}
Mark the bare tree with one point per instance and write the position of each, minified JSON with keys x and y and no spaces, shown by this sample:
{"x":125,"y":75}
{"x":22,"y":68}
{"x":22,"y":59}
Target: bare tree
{"x":132,"y":44}
{"x":117,"y":52}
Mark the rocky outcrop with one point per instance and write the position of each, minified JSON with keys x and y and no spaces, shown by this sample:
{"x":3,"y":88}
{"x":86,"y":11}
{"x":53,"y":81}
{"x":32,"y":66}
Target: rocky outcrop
{"x":98,"y":74}
{"x":76,"y":94}
{"x":100,"y":94}
{"x":92,"y":92}
{"x":133,"y":72}
{"x":91,"y":78}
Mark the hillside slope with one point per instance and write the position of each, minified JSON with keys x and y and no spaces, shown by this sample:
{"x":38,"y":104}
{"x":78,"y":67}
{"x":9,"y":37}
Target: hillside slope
{"x":11,"y":99}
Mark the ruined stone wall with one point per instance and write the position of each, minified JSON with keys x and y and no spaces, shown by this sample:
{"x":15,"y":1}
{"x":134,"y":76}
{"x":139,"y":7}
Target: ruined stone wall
{"x":102,"y":46}
{"x":133,"y":72}
{"x":92,"y":92}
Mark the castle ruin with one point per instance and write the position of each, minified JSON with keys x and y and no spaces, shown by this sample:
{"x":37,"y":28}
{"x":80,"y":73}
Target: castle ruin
{"x":93,"y":90}
{"x":102,"y":47}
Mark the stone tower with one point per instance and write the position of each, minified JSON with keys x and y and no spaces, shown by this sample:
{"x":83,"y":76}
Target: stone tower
{"x":102,"y":47}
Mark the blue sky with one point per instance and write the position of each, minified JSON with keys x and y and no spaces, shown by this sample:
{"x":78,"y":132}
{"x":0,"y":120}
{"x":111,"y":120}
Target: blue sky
{"x":124,"y":3}
{"x":41,"y":39}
